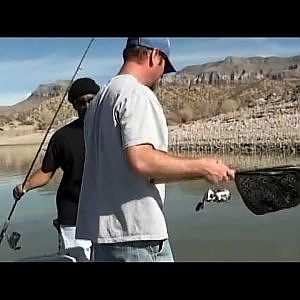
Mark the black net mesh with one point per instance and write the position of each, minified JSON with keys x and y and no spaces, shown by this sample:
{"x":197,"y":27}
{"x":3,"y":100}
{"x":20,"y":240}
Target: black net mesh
{"x":268,"y":190}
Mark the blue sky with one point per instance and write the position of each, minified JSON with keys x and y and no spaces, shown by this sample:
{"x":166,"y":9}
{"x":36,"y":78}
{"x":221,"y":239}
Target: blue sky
{"x":27,"y":62}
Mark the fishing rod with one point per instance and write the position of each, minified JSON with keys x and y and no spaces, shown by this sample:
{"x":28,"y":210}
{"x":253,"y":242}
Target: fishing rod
{"x":15,"y":236}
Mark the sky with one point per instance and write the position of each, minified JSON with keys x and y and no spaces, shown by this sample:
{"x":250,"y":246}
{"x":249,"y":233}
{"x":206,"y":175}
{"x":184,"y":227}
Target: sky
{"x":25,"y":63}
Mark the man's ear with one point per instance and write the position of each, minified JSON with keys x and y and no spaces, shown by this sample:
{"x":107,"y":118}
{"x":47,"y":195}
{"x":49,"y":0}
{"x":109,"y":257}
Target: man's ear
{"x":154,"y":56}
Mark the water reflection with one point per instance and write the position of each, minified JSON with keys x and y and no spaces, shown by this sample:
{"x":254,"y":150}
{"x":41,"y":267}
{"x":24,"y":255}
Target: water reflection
{"x":33,"y":215}
{"x":220,"y":232}
{"x":228,"y":231}
{"x":16,"y":160}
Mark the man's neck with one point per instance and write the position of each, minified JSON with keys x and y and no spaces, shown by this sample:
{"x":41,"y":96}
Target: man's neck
{"x":135,"y":70}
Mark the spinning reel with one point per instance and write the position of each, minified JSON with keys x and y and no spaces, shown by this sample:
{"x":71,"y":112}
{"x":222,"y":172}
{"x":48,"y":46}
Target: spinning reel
{"x":13,"y":240}
{"x":214,"y":196}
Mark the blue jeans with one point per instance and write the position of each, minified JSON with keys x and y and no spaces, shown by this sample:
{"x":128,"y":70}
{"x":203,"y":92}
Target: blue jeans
{"x":135,"y":251}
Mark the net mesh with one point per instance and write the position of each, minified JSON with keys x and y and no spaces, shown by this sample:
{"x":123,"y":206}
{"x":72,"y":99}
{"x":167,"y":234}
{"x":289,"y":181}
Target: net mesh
{"x":269,"y":190}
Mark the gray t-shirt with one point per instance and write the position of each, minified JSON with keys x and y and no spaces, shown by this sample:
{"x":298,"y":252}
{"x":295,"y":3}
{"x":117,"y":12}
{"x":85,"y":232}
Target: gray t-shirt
{"x":116,"y":203}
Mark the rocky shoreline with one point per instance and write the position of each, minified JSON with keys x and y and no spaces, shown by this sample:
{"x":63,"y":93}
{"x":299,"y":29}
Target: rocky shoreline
{"x":244,"y":149}
{"x":268,"y":130}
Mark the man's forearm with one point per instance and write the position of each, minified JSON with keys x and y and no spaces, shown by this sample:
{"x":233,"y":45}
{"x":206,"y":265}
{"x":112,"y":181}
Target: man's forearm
{"x":163,"y":167}
{"x":38,"y":179}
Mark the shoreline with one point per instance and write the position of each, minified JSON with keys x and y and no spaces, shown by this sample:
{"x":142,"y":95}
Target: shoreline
{"x":182,"y":146}
{"x":252,"y":132}
{"x":29,"y":139}
{"x":11,"y":138}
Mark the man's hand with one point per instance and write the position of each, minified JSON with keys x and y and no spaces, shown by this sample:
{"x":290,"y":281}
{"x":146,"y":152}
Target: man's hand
{"x":217,"y":171}
{"x":18,"y":192}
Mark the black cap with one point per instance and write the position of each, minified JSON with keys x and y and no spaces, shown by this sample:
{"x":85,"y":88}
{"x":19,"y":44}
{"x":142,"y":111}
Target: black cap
{"x":81,"y":87}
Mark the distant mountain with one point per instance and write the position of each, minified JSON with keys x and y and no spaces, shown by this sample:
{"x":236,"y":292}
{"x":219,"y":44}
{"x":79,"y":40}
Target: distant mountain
{"x":238,"y":70}
{"x":42,"y":93}
{"x":231,"y":70}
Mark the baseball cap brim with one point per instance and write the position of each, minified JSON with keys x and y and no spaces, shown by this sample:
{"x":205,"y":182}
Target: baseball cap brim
{"x":169,"y":67}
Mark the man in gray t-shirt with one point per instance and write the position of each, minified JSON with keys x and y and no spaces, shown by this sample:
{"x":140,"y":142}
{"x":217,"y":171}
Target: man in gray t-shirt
{"x":126,"y":163}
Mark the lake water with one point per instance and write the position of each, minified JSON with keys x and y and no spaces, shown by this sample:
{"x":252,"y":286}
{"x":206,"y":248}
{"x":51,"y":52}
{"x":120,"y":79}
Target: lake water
{"x":220,"y":232}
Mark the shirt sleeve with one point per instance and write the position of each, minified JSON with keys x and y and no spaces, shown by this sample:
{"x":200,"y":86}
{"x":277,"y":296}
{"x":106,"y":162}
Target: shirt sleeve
{"x":52,"y":158}
{"x":142,"y":121}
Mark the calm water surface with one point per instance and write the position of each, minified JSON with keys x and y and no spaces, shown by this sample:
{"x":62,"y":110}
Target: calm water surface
{"x":220,"y":232}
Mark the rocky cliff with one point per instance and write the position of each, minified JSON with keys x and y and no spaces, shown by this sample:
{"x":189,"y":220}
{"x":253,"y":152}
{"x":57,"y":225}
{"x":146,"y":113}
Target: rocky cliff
{"x":237,"y":70}
{"x":38,"y":96}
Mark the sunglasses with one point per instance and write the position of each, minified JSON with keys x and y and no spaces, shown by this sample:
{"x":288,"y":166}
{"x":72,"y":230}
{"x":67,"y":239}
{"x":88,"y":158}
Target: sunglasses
{"x":83,"y":100}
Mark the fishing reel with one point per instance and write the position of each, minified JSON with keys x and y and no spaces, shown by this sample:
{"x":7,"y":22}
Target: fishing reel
{"x":214,"y":196}
{"x":13,"y":240}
